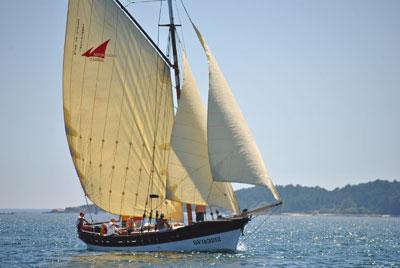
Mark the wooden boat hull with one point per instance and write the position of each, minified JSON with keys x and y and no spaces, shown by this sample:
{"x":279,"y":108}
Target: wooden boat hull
{"x":221,"y":235}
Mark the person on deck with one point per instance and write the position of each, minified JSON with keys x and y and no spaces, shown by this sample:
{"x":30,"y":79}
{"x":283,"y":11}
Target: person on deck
{"x":103,"y":229}
{"x":112,"y":227}
{"x":137,"y":221}
{"x":200,"y":211}
{"x":162,"y":223}
{"x":81,"y":221}
{"x":219,"y":216}
{"x":130,"y":225}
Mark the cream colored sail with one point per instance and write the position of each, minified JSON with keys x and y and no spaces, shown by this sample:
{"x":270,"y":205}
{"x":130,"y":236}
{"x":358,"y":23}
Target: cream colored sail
{"x":118,"y":110}
{"x":234,"y":155}
{"x":189,"y":177}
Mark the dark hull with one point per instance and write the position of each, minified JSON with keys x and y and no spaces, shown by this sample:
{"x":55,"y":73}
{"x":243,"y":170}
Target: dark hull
{"x":220,"y":235}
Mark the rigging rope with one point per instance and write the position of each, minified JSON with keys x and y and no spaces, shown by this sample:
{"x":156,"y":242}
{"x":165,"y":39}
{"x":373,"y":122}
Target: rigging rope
{"x":159,"y":20}
{"x":88,"y":208}
{"x":181,"y":28}
{"x":142,"y":1}
{"x":255,"y":231}
{"x":158,"y":111}
{"x":187,"y":13}
{"x":252,"y":235}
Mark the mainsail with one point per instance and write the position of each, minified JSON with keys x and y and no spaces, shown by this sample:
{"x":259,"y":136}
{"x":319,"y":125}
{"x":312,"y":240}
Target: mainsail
{"x":190,"y":179}
{"x":118,"y":110}
{"x":233,"y":153}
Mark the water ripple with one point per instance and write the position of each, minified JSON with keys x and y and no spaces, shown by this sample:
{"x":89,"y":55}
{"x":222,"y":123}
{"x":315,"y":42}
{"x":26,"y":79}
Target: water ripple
{"x":49,"y":240}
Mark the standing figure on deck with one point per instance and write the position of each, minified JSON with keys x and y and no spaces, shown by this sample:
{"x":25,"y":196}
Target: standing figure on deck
{"x":219,"y":216}
{"x":162,"y":223}
{"x":200,"y":211}
{"x":130,"y":225}
{"x":103,"y":229}
{"x":81,"y":221}
{"x":112,"y":227}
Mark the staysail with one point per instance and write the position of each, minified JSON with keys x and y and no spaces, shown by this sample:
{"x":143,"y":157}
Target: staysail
{"x":234,"y":155}
{"x":118,"y":110}
{"x":190,"y":179}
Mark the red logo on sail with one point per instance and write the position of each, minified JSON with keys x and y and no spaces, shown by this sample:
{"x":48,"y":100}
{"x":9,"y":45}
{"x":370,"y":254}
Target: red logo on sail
{"x":98,"y":52}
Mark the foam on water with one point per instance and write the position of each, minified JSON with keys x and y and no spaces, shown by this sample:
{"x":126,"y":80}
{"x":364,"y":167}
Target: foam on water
{"x":241,"y":247}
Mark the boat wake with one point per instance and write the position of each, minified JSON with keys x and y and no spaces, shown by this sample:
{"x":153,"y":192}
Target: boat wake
{"x":241,"y":247}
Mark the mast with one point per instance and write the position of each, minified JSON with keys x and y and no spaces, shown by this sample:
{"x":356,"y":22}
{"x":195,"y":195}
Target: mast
{"x":172,"y":31}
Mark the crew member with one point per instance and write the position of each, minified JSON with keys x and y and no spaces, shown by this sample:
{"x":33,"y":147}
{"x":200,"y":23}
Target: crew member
{"x":200,"y":211}
{"x":130,"y":225}
{"x":81,"y":221}
{"x":162,"y":223}
{"x":112,"y":227}
{"x":219,"y":216}
{"x":103,"y":229}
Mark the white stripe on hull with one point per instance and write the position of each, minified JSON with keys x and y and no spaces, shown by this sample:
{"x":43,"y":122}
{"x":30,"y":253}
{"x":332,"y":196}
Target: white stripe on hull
{"x":226,"y":241}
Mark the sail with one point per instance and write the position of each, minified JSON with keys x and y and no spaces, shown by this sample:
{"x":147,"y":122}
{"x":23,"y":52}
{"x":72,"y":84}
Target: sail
{"x":234,"y":155}
{"x":189,"y":171}
{"x":118,"y":110}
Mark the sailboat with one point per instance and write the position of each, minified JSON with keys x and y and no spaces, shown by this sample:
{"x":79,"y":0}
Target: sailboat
{"x":133,"y":154}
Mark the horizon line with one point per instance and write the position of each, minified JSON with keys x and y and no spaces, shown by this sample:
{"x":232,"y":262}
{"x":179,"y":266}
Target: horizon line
{"x":244,"y":188}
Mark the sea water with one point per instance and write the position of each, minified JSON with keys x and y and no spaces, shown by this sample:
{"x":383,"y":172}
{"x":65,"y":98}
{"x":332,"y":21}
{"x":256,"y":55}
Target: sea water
{"x":50,"y":240}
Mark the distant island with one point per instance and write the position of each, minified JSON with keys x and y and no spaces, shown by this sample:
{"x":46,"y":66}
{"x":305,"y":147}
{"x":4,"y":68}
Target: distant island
{"x":84,"y":208}
{"x":380,"y":197}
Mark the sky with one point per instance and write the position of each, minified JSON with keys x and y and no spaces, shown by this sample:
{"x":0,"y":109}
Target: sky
{"x":317,"y":81}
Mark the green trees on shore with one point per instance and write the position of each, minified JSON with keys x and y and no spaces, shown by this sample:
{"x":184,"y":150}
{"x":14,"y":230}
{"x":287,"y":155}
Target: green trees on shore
{"x":377,"y":197}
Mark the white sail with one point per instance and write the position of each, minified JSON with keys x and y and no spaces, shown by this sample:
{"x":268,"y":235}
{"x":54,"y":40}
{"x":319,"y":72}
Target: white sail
{"x":189,"y":171}
{"x":118,"y":110}
{"x":234,"y":155}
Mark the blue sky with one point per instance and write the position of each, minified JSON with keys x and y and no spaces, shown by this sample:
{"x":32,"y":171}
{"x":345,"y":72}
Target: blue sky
{"x":318,"y":81}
